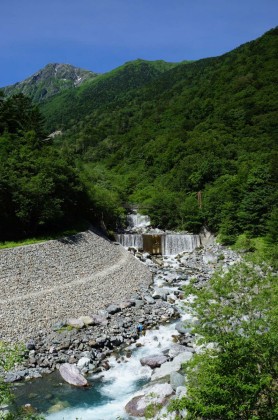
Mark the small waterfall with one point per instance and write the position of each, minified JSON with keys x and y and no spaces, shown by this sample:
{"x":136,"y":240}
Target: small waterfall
{"x":130,"y":240}
{"x":173,"y":244}
{"x":138,"y":221}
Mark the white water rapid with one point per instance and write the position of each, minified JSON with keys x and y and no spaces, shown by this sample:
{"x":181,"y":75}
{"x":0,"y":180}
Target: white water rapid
{"x":126,"y":375}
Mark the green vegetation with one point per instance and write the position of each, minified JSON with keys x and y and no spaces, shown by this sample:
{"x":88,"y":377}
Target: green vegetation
{"x":9,"y":356}
{"x":196,"y":142}
{"x":237,"y":377}
{"x":40,"y":190}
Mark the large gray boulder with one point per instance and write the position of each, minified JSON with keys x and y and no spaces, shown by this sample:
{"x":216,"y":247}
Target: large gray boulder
{"x":167,"y":368}
{"x":176,"y":380}
{"x":153,"y":361}
{"x":157,"y":396}
{"x":180,"y":327}
{"x":70,"y":373}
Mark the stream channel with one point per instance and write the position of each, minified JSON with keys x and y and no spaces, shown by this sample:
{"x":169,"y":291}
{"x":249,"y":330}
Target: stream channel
{"x":112,"y":389}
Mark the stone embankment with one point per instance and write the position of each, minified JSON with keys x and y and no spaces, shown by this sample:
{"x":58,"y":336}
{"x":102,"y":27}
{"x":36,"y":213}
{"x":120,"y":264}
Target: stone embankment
{"x":56,"y":280}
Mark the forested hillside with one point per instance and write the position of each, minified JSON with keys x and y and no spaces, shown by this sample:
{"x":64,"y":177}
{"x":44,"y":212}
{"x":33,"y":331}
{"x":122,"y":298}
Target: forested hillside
{"x":196,"y":142}
{"x":40,"y":190}
{"x":193,"y":142}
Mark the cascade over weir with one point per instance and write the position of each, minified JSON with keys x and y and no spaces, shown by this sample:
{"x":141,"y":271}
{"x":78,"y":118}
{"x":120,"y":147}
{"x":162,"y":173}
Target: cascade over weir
{"x":139,"y":235}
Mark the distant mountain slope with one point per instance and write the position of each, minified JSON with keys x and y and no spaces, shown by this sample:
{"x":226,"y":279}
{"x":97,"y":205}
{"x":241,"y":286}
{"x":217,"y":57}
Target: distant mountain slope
{"x":102,"y":91}
{"x":49,"y":81}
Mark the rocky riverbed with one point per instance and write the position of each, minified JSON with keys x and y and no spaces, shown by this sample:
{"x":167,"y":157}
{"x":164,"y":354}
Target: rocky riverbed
{"x":99,"y":342}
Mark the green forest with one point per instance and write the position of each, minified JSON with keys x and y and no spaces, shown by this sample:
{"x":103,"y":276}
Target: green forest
{"x":194,"y":142}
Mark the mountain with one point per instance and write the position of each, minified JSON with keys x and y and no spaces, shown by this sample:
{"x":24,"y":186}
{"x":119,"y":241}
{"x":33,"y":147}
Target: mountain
{"x":102,"y":91}
{"x":49,"y":81}
{"x":162,"y":139}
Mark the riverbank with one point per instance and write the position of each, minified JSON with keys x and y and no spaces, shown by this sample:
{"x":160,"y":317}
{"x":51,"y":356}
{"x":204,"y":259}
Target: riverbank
{"x":50,"y":282}
{"x":114,"y":332}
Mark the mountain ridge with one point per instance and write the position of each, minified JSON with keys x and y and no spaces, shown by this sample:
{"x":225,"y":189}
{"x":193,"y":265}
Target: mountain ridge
{"x":49,"y":81}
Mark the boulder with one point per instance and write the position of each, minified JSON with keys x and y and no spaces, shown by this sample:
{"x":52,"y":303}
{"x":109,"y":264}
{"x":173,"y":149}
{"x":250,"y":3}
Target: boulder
{"x":31,"y":345}
{"x":75,"y":323}
{"x":157,"y":396}
{"x":113,"y":309}
{"x":149,"y":299}
{"x":174,"y":366}
{"x":58,"y":325}
{"x":87,"y":320}
{"x":153,"y":361}
{"x":181,"y":328}
{"x":83,"y":362}
{"x":175,"y":350}
{"x":176,"y":380}
{"x":71,"y":375}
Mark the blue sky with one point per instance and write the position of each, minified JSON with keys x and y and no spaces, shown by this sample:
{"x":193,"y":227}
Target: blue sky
{"x":100,"y":35}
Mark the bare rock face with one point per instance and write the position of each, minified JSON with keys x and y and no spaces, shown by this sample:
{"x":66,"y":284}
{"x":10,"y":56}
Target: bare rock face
{"x":70,"y":373}
{"x":153,"y":361}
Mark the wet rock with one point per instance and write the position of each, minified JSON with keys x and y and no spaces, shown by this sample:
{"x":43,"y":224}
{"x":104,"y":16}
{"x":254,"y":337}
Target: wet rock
{"x":71,"y":374}
{"x":153,"y":361}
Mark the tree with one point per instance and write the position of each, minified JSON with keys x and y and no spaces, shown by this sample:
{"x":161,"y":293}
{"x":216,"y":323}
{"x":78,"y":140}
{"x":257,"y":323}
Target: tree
{"x":237,"y":377}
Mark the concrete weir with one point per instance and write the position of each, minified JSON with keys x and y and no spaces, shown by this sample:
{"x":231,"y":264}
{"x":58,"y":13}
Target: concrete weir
{"x":44,"y":283}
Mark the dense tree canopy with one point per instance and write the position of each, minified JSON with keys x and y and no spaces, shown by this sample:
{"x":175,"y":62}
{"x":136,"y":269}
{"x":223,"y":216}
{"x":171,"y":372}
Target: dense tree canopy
{"x":39,"y":187}
{"x":166,"y":135}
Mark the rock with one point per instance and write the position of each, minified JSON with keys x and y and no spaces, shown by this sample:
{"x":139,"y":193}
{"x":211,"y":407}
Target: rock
{"x":116,"y":340}
{"x":175,"y":350}
{"x":153,"y":361}
{"x":87,"y":320}
{"x":83,"y":362}
{"x":168,"y":367}
{"x":160,"y":294}
{"x":13,"y":377}
{"x":127,"y":304}
{"x":181,"y":328}
{"x":113,"y":309}
{"x":181,"y":391}
{"x":156,"y":396}
{"x":176,"y":380}
{"x":75,"y":323}
{"x":58,"y":325}
{"x":149,"y":299}
{"x":139,"y":303}
{"x":209,"y":258}
{"x":100,"y":319}
{"x":31,"y":345}
{"x":71,"y":374}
